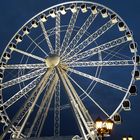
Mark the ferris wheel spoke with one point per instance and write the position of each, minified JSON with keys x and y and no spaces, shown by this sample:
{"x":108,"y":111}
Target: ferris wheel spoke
{"x":79,"y":35}
{"x":34,"y":100}
{"x":37,"y":45}
{"x":47,"y":85}
{"x":100,"y":48}
{"x":57,"y":34}
{"x":28,"y":105}
{"x":21,"y":93}
{"x":23,"y":78}
{"x":73,"y":52}
{"x":69,"y":31}
{"x":101,"y":63}
{"x":98,"y":80}
{"x":47,"y":97}
{"x":25,"y":66}
{"x":29,"y":54}
{"x":115,"y":52}
{"x":45,"y":113}
{"x":89,"y":96}
{"x":57,"y":110}
{"x":47,"y":106}
{"x":46,"y":36}
{"x":77,"y":104}
{"x":118,"y":55}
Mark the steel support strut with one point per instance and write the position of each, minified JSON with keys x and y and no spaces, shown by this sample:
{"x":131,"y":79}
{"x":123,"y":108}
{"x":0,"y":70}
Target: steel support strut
{"x":82,"y":115}
{"x":57,"y":110}
{"x":45,"y":79}
{"x":47,"y":106}
{"x":47,"y":97}
{"x":28,"y":105}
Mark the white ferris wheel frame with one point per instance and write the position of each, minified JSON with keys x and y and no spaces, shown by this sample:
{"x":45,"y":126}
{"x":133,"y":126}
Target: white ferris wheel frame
{"x":79,"y":2}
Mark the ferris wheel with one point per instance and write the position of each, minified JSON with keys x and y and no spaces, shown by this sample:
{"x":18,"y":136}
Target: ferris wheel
{"x":78,"y":56}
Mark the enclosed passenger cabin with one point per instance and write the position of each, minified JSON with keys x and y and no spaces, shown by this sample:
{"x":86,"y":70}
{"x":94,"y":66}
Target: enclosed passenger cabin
{"x":12,"y":46}
{"x":43,"y":18}
{"x":1,"y":75}
{"x":104,"y":13}
{"x":133,"y":47}
{"x":6,"y":55}
{"x":73,"y":8}
{"x":133,"y":90}
{"x":121,"y":26}
{"x":129,"y":36}
{"x":1,"y":108}
{"x":26,"y":30}
{"x":137,"y":75}
{"x":113,"y":18}
{"x":18,"y":38}
{"x":62,"y":10}
{"x":94,"y":9}
{"x":136,"y":59}
{"x":126,"y":105}
{"x":34,"y":23}
{"x":84,"y":8}
{"x":117,"y":118}
{"x":52,"y":13}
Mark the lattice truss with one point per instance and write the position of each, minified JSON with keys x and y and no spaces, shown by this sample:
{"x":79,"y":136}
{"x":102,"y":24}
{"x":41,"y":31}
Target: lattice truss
{"x":75,"y":55}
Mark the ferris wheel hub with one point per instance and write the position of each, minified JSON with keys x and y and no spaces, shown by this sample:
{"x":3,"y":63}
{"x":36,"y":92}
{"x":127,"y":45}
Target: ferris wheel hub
{"x":52,"y":60}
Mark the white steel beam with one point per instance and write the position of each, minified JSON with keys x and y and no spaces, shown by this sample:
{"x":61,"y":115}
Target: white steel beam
{"x":89,"y":40}
{"x":69,"y":31}
{"x":78,"y":106}
{"x":46,"y":77}
{"x":21,"y":93}
{"x":25,"y":66}
{"x":79,"y":34}
{"x":81,"y":105}
{"x":46,"y":98}
{"x":23,"y":78}
{"x":101,"y":63}
{"x":89,"y":96}
{"x":100,"y":48}
{"x":28,"y":54}
{"x":28,"y":105}
{"x":57,"y":110}
{"x":99,"y":80}
{"x":46,"y":36}
{"x":47,"y":106}
{"x":57,"y":34}
{"x":37,"y":45}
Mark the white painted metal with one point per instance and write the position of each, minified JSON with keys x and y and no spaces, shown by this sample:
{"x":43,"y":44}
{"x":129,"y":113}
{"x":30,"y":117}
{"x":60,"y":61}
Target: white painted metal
{"x":78,"y":36}
{"x":76,"y":105}
{"x":49,"y":93}
{"x":99,"y":80}
{"x":28,"y":104}
{"x":37,"y":45}
{"x":89,"y":96}
{"x":101,"y":63}
{"x":21,"y":93}
{"x":57,"y":110}
{"x":25,"y":66}
{"x":69,"y":32}
{"x":29,"y":54}
{"x":46,"y":108}
{"x":57,"y":35}
{"x":97,"y":49}
{"x":23,"y":78}
{"x":46,"y":36}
